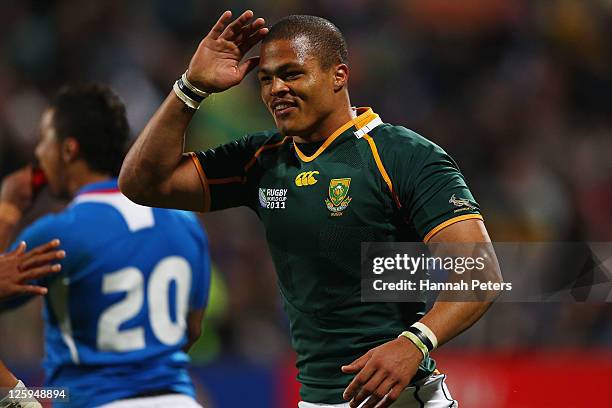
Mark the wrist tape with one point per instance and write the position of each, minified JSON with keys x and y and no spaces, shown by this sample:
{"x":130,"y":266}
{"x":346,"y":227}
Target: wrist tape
{"x":189,"y":94}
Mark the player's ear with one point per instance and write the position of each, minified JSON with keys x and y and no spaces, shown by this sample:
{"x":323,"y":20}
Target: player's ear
{"x":341,"y":75}
{"x":70,"y":149}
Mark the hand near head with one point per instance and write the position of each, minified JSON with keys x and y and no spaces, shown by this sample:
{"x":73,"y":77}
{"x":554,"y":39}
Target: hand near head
{"x":16,"y":188}
{"x":216,"y":64}
{"x":18,"y":267}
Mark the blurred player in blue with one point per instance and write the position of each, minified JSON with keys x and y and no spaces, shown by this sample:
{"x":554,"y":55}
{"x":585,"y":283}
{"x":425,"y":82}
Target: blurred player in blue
{"x":130,"y":296}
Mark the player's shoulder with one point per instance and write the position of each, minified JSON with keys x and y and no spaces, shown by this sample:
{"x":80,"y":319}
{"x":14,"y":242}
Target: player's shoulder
{"x":403,"y":150}
{"x":179,"y":216}
{"x":183,"y":216}
{"x":180,"y":221}
{"x":48,"y":227}
{"x":263,"y":138}
{"x":393,"y":140}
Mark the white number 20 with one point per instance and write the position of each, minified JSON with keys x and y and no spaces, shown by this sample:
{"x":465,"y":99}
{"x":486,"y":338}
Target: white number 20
{"x":131,"y":280}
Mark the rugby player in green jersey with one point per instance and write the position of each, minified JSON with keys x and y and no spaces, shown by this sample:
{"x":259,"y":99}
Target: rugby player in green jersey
{"x":330,"y":177}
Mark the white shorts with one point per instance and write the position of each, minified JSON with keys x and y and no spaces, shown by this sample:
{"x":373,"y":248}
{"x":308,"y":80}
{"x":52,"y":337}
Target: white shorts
{"x":160,"y":401}
{"x":430,"y":392}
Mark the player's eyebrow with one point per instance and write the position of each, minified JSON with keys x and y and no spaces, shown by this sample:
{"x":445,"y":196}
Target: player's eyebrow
{"x":282,"y":68}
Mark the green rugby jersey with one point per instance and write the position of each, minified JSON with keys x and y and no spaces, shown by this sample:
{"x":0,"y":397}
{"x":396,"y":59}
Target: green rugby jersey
{"x":368,"y":182}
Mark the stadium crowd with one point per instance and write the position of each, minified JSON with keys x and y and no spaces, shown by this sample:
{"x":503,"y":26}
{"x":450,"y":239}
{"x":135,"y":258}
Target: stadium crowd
{"x":516,"y":91}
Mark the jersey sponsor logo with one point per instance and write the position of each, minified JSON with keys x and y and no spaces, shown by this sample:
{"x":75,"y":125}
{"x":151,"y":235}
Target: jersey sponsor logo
{"x":338,"y":196}
{"x":306,"y":178}
{"x":273,"y":198}
{"x":463,"y":203}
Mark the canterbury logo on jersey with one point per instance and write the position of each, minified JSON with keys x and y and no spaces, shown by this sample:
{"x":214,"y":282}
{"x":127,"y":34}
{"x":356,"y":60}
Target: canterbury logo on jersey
{"x":306,"y":178}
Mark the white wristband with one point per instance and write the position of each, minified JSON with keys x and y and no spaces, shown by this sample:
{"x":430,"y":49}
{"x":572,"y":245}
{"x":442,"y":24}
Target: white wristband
{"x":192,"y":87}
{"x":427,"y":332}
{"x":186,"y":100}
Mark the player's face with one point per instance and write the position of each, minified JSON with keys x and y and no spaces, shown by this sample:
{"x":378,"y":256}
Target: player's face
{"x":48,"y":153}
{"x":296,"y":90}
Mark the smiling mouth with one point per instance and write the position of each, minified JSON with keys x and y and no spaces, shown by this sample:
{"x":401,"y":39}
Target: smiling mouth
{"x":283,"y":109}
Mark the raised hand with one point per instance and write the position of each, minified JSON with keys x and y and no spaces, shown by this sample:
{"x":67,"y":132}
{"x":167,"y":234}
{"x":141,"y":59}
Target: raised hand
{"x":18,"y":267}
{"x":216,"y":64}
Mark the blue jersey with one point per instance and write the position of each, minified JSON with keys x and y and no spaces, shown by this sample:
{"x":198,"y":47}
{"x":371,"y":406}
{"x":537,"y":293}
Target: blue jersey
{"x":115,"y":317}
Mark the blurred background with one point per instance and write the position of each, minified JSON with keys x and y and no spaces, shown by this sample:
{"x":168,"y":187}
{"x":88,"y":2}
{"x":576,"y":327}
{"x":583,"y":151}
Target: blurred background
{"x":517,"y":91}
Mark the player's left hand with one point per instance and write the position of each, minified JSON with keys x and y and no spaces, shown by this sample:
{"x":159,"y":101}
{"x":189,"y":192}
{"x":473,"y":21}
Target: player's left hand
{"x":16,"y":188}
{"x":19,"y":267}
{"x":382,"y":373}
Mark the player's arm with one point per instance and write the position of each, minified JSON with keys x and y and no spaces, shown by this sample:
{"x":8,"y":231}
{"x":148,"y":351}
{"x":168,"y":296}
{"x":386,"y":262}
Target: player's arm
{"x":384,"y":372}
{"x":18,"y":268}
{"x":7,"y":379}
{"x":435,"y":198}
{"x":156,"y":172}
{"x":201,"y":282}
{"x":447,"y":319}
{"x":15,"y":199}
{"x":194,"y":327}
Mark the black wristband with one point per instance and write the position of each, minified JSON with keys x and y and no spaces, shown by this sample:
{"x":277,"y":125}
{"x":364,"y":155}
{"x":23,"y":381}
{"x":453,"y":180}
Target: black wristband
{"x":188,"y":92}
{"x":421,"y":337}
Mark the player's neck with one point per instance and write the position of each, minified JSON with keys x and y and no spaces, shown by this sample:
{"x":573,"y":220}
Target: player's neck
{"x":328,"y":125}
{"x":81,"y":175}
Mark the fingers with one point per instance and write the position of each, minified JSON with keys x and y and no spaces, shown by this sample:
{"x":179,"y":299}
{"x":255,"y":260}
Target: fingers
{"x":369,"y":389}
{"x":41,"y":259}
{"x":32,"y":290}
{"x":40,"y":272}
{"x":382,"y":395}
{"x":220,"y":25}
{"x":356,"y":365}
{"x":360,"y":379}
{"x":249,"y":42}
{"x":42,"y":248}
{"x":248,"y":65}
{"x":232,"y":31}
{"x":391,"y":397}
{"x":250,"y":29}
{"x":19,"y":250}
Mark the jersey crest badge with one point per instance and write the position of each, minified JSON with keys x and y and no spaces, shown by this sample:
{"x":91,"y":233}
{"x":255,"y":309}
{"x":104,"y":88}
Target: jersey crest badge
{"x":338,"y":196}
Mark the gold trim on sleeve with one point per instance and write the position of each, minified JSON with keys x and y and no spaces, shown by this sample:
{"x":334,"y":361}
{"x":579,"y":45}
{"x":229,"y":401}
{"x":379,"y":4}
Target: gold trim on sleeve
{"x":203,"y":180}
{"x":450,"y":222}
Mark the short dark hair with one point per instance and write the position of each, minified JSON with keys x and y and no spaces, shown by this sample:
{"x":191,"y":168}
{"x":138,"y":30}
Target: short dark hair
{"x":323,"y":35}
{"x":95,"y":116}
